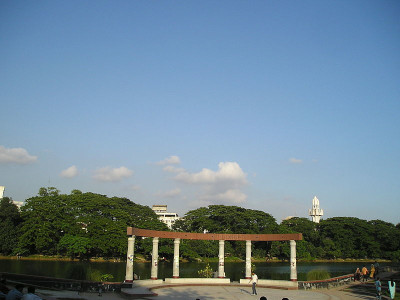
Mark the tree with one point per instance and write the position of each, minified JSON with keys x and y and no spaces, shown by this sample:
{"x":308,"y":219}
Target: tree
{"x":10,"y":220}
{"x":81,"y":224}
{"x":347,"y":237}
{"x":226,"y":219}
{"x":306,"y":249}
{"x":50,"y":191}
{"x":74,"y":246}
{"x":387,"y":236}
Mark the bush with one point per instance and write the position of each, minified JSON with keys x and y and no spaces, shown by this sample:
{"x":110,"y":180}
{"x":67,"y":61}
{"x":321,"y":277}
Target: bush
{"x":207,"y":272}
{"x":318,"y":275}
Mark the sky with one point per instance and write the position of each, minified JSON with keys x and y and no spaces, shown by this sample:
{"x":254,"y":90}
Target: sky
{"x":258,"y":104}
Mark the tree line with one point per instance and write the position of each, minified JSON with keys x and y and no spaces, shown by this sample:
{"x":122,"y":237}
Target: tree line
{"x":89,"y":225}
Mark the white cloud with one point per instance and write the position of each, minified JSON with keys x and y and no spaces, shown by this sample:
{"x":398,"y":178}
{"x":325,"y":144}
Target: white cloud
{"x":69,"y":172}
{"x":170,"y":193}
{"x":112,"y":175}
{"x":233,"y":196}
{"x":172,"y":160}
{"x":222,"y":186}
{"x":295,"y":160}
{"x":228,"y":173}
{"x":16,"y":155}
{"x":172,"y":169}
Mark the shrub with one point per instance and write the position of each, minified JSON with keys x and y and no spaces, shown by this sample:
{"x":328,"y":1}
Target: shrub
{"x":207,"y":272}
{"x":318,"y":275}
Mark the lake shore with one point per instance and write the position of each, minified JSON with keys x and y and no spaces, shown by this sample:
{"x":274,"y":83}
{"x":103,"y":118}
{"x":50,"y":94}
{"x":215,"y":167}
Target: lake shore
{"x":201,"y":260}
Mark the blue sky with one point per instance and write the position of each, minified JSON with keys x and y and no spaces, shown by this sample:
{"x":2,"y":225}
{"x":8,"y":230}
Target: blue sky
{"x":260,"y":104}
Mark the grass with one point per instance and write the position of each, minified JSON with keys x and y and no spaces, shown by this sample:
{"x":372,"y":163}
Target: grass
{"x":318,"y":274}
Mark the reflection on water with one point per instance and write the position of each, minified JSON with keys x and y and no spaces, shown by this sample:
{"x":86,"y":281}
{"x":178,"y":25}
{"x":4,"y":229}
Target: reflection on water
{"x":234,"y":271}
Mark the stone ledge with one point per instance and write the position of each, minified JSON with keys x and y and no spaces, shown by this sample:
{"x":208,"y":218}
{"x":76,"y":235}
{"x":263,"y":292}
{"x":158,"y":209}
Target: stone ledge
{"x":147,"y":282}
{"x":269,"y":282}
{"x":197,"y":280}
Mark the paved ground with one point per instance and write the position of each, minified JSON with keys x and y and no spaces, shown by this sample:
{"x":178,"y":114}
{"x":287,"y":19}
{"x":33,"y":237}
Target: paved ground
{"x":348,"y":292}
{"x":352,"y":291}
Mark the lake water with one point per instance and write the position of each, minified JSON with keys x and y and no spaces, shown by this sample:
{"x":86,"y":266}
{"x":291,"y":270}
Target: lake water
{"x":234,"y":271}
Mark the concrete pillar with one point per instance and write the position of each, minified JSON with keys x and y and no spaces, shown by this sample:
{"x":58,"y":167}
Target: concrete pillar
{"x":175,"y":273}
{"x":248,"y":260}
{"x":154,"y":259}
{"x":221,"y":257}
{"x":293,"y":269}
{"x":129,"y":259}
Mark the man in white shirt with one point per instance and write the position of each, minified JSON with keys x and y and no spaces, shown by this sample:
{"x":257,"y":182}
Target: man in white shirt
{"x":254,"y":281}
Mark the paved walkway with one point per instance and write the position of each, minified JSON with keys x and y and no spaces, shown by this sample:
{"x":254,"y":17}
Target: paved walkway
{"x":348,"y":292}
{"x":351,"y":291}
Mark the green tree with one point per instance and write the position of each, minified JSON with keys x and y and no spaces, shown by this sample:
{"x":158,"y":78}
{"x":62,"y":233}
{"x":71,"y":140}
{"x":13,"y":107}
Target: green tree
{"x":81,"y":223}
{"x":345,"y":237}
{"x":49,"y":191}
{"x":10,"y":220}
{"x":226,"y":219}
{"x":387,"y":236}
{"x":74,"y":246}
{"x":306,"y":249}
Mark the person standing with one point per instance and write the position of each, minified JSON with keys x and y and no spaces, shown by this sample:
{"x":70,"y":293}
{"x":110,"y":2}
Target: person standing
{"x":392,"y":288}
{"x":15,"y":294}
{"x":31,"y":294}
{"x":364,"y":272}
{"x":372,"y":275}
{"x":378,"y":287}
{"x":376,"y":266}
{"x":357,"y":275}
{"x":254,"y":281}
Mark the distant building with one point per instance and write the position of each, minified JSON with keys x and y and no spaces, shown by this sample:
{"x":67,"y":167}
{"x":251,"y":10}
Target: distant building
{"x":17,"y":203}
{"x":164,"y":216}
{"x":315,"y":212}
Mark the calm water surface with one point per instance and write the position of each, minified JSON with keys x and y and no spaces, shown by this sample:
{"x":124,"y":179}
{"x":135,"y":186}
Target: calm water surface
{"x":234,"y":271}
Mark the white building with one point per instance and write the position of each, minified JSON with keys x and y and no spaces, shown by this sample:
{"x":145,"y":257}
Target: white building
{"x":19,"y":204}
{"x":164,"y":216}
{"x":2,"y":188}
{"x":315,"y":212}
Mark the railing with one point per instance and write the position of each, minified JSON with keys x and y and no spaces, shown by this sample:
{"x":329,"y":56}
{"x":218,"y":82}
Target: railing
{"x":61,"y":283}
{"x":327,"y":283}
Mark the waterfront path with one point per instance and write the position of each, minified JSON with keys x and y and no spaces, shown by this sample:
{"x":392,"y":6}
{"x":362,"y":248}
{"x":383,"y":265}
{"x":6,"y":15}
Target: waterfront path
{"x":351,"y":291}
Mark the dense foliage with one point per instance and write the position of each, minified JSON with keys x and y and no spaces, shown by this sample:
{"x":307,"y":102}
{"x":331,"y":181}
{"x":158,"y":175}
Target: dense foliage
{"x":342,"y":237}
{"x":10,"y":220}
{"x":91,"y":225}
{"x":77,"y":225}
{"x":225,"y":219}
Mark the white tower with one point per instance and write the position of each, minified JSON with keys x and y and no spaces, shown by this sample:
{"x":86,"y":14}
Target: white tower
{"x":1,"y":191}
{"x":315,"y":212}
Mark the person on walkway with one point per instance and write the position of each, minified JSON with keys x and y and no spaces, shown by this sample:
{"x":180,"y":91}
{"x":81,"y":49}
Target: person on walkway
{"x":364,"y":272}
{"x":15,"y":294}
{"x":254,"y":281}
{"x":392,"y":288}
{"x":372,"y":274}
{"x":357,"y":275}
{"x":376,"y":266}
{"x":31,"y":294}
{"x":378,"y":287}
